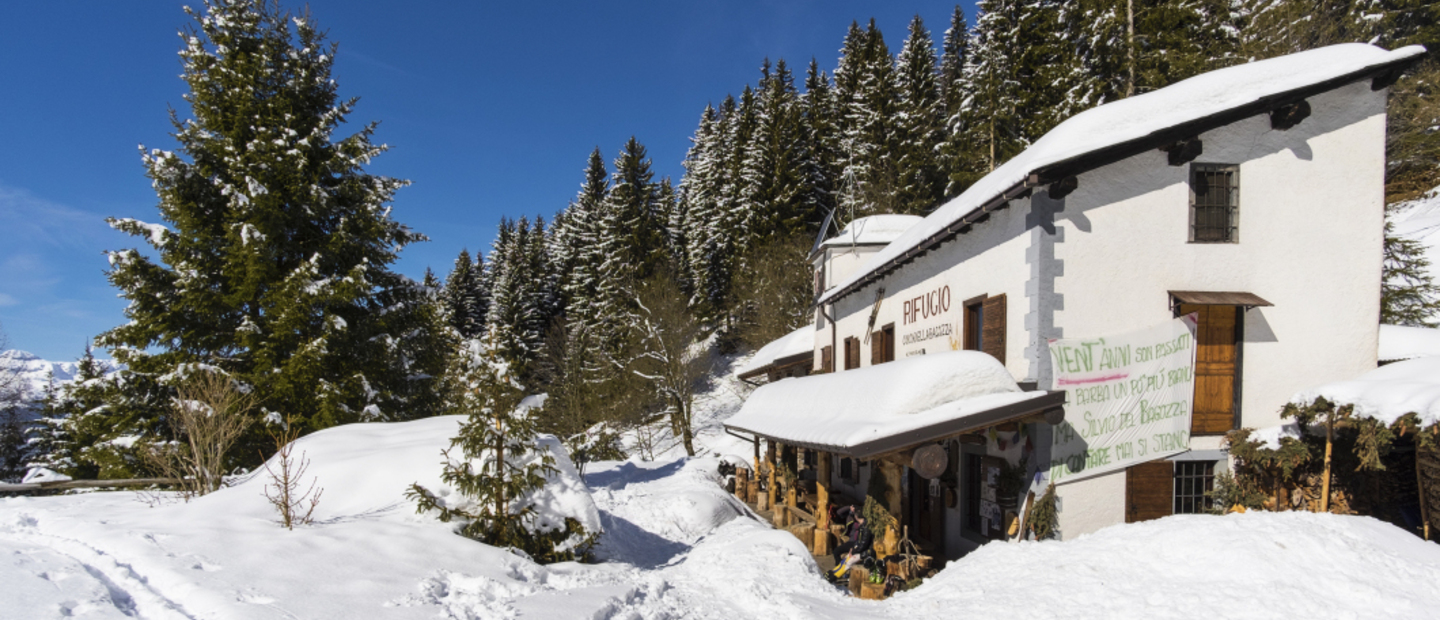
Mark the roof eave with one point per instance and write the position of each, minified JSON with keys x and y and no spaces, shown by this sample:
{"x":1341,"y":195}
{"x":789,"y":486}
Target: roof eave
{"x":1384,"y":75}
{"x":926,"y":434}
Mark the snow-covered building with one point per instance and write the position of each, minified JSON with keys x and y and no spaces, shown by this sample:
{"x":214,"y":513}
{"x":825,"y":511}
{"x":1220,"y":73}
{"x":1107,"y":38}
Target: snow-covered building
{"x":1251,"y":196}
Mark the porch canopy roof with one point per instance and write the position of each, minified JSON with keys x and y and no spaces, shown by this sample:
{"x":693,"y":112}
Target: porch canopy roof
{"x":871,"y":411}
{"x":792,"y":347}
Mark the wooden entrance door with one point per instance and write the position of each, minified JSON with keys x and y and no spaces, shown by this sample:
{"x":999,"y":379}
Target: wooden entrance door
{"x":1149,"y":491}
{"x":926,"y":513}
{"x":1216,"y":368}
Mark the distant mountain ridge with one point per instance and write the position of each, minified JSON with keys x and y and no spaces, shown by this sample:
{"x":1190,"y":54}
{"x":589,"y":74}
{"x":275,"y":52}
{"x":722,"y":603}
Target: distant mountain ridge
{"x":37,"y":372}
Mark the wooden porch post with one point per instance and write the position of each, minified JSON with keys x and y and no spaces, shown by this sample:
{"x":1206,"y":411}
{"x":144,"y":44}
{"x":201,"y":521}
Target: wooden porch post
{"x":822,"y":503}
{"x":770,"y":480}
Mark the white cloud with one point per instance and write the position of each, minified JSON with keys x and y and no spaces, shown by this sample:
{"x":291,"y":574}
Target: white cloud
{"x":6,"y":300}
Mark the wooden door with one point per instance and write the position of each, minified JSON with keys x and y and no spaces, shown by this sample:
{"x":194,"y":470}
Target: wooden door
{"x":1149,"y":491}
{"x":1216,"y":366}
{"x":926,"y":514}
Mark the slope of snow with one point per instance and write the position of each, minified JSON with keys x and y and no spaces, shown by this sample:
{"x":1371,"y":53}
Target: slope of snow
{"x":675,"y":545}
{"x":1399,"y":342}
{"x":1139,"y":116}
{"x":1388,"y":392}
{"x":1419,"y":219}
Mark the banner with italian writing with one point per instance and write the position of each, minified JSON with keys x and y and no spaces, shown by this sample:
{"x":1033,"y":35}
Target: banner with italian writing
{"x":1129,"y":399}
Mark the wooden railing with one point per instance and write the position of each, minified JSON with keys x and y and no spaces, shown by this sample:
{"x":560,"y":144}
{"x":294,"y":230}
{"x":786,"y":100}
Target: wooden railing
{"x":61,"y":485}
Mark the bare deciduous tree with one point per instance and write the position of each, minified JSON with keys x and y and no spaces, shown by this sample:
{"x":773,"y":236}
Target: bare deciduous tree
{"x":774,"y":291}
{"x":667,"y":355}
{"x":209,"y":414}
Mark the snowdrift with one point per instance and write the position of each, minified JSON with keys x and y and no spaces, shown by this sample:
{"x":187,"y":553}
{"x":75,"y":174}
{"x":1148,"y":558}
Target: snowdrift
{"x":675,"y":544}
{"x":1253,"y":565}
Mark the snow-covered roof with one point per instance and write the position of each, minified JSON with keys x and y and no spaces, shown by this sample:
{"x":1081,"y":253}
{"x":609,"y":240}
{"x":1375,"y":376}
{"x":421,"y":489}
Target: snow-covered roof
{"x":1137,"y":124}
{"x":873,"y":230}
{"x":794,"y":343}
{"x":1399,"y":342}
{"x":876,"y":409}
{"x":1388,"y":392}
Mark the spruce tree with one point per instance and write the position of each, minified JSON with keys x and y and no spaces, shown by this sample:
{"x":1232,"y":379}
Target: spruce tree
{"x":700,"y":191}
{"x":87,"y":429}
{"x":819,"y":122}
{"x":14,"y":445}
{"x":919,"y":126}
{"x":580,"y":261}
{"x":464,"y":298}
{"x":869,"y":144}
{"x":961,"y":154}
{"x":274,"y":260}
{"x":629,"y":240}
{"x":954,"y":54}
{"x":500,"y":465}
{"x":1408,"y":294}
{"x":773,"y":165}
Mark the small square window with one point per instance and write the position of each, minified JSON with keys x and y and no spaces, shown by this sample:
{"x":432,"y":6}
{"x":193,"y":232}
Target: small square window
{"x":1214,"y":203}
{"x":1193,"y":481}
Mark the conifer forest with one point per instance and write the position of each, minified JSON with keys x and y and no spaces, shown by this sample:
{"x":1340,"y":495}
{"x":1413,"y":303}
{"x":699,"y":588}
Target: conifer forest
{"x":274,"y":263}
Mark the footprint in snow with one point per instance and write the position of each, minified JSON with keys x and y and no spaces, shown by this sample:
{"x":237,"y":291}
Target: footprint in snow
{"x":253,"y":598}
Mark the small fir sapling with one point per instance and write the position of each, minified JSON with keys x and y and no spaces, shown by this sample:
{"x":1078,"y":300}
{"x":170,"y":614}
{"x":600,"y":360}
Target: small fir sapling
{"x":499,"y":467}
{"x":286,"y":478}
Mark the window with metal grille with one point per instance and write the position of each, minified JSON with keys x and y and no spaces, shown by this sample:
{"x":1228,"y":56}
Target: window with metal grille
{"x":1214,"y":203}
{"x":1193,"y":479}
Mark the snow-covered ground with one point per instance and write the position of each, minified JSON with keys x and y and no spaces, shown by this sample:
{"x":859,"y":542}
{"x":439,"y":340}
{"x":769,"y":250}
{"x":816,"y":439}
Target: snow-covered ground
{"x":675,"y":546}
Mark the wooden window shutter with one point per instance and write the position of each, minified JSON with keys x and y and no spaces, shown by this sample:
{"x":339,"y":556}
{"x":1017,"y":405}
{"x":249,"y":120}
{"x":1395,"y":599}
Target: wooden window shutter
{"x":827,"y":359}
{"x":852,"y":353}
{"x":877,"y":348}
{"x":889,"y":332}
{"x":993,"y":338}
{"x":1215,"y":369}
{"x":1149,"y":491}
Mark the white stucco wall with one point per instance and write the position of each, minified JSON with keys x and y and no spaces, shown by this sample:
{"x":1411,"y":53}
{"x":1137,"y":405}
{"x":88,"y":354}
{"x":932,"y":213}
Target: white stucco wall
{"x":1311,"y":233}
{"x":1311,"y":228}
{"x":990,"y":260}
{"x":1310,"y":242}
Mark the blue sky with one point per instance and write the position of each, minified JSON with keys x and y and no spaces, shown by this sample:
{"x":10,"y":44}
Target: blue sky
{"x":490,"y":108}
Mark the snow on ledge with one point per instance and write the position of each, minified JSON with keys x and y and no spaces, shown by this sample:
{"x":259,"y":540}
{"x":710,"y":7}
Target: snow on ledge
{"x":793,"y":343}
{"x":1399,"y":342}
{"x":1387,"y":393}
{"x":854,"y":407}
{"x":873,"y":230}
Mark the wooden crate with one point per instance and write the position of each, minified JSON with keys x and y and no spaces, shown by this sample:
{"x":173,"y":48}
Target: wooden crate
{"x":872,"y":591}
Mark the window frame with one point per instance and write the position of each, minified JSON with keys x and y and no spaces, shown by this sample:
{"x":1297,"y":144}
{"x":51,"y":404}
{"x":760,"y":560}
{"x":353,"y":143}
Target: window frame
{"x":1195,"y":486}
{"x":1233,"y":231}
